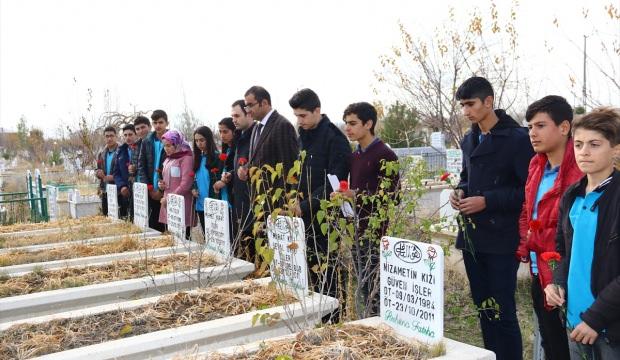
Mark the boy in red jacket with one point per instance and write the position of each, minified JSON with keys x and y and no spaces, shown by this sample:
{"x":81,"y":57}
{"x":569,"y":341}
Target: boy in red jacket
{"x":551,"y":171}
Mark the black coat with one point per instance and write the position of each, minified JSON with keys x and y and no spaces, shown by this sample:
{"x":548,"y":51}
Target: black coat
{"x":605,"y":278}
{"x":496,"y":169}
{"x":327,"y":152}
{"x":146,"y":159}
{"x":242,"y":213}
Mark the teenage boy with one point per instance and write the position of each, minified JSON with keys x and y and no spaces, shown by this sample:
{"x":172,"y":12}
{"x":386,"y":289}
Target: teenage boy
{"x":587,"y":277}
{"x":121,"y":173}
{"x":551,"y":172}
{"x":106,"y":166}
{"x":366,"y":176}
{"x":142,"y":125}
{"x":241,"y":210}
{"x":150,"y":163}
{"x":327,"y":152}
{"x":490,"y":195}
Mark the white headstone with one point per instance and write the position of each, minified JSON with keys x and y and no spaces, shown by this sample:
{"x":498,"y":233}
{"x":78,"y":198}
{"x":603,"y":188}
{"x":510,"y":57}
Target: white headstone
{"x":140,"y":205}
{"x":412,"y":288}
{"x":217,"y":230}
{"x":175,"y":210}
{"x":446,"y":212}
{"x":289,"y":267}
{"x":454,"y":161}
{"x":112,"y":196}
{"x":438,"y":140}
{"x":52,"y":202}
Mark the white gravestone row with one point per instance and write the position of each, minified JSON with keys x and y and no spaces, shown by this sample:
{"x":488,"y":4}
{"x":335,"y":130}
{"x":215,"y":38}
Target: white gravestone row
{"x":112,"y":201}
{"x":217,"y":231}
{"x":289,"y":267}
{"x":412,"y":288}
{"x":176,"y":216}
{"x":140,"y":205}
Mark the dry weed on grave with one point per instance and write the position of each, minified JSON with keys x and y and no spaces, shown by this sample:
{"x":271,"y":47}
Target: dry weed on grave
{"x":91,"y":220}
{"x":334,"y":342}
{"x":43,"y":280}
{"x":124,"y":244}
{"x":29,"y":340}
{"x":73,"y":234}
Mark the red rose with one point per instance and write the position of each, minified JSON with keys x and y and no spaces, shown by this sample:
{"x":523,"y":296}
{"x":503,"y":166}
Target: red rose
{"x":431,"y":252}
{"x":551,"y":256}
{"x":344,"y":185}
{"x":223,"y":157}
{"x":445,"y":176}
{"x":243,"y":161}
{"x":535,"y":225}
{"x":215,"y":170}
{"x":149,"y":187}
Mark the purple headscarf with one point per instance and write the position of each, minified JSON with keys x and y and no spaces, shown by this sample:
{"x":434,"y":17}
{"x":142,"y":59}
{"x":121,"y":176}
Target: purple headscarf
{"x":176,"y":138}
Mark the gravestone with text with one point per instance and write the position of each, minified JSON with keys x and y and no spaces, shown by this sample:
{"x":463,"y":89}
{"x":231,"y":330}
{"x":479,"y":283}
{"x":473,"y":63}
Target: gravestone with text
{"x":140,"y":205}
{"x":52,"y":202}
{"x":176,"y":216}
{"x":412,"y":288}
{"x":112,"y":201}
{"x":289,"y":267}
{"x":454,"y":161}
{"x":217,"y":231}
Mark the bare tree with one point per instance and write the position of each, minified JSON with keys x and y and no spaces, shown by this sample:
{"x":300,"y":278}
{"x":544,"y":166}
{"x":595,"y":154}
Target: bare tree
{"x":425,"y":73}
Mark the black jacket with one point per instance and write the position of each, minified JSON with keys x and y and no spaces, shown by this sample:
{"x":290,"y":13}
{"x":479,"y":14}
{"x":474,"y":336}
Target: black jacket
{"x":241,"y":199}
{"x":605,"y":281}
{"x":146,"y":159}
{"x":327,"y":152}
{"x":497,"y":169}
{"x":101,"y":156}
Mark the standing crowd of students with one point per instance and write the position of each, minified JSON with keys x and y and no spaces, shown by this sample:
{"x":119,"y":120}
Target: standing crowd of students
{"x":524,"y":193}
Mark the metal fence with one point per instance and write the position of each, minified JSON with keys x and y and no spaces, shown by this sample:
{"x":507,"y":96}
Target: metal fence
{"x":26,"y":206}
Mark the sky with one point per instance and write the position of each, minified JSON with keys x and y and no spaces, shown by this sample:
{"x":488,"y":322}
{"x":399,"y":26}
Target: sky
{"x":159,"y":54}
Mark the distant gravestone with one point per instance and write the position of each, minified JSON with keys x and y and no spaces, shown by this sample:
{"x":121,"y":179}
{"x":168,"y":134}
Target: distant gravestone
{"x":52,"y":201}
{"x":289,"y":267}
{"x":140,"y":205}
{"x":412,"y":288}
{"x":454,"y":161}
{"x":176,"y":216}
{"x":217,"y":230}
{"x":112,"y":196}
{"x":438,"y":140}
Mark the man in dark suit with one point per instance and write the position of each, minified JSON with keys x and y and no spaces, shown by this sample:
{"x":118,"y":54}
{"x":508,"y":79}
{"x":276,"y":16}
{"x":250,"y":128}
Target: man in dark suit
{"x":273,"y":137}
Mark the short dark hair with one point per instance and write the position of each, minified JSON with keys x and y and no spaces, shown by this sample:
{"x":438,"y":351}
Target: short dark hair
{"x":364,"y":111}
{"x":305,"y":99}
{"x":259,"y":93}
{"x":474,"y":87}
{"x":109,"y":128}
{"x":604,"y":120}
{"x":158,"y":114}
{"x":141,"y":120}
{"x":555,"y":106}
{"x":129,"y":127}
{"x":241,"y":104}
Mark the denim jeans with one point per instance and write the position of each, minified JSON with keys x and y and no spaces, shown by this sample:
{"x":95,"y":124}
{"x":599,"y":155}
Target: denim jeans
{"x":600,"y":350}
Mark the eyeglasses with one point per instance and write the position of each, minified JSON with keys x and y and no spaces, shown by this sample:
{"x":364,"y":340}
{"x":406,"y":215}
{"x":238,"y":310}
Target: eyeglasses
{"x":249,"y":106}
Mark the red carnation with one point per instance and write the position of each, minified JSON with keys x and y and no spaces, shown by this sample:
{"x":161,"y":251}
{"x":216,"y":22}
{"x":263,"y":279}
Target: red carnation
{"x":215,"y":170}
{"x":223,"y":157}
{"x":344,"y":185}
{"x":99,"y":162}
{"x":149,"y":187}
{"x":445,"y":176}
{"x":191,"y":174}
{"x":535,"y":225}
{"x":551,"y":256}
{"x":243,"y":161}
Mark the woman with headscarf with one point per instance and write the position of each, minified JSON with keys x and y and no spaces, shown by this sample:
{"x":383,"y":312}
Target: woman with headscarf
{"x":208,"y":168}
{"x":229,"y":135}
{"x":177,"y":176}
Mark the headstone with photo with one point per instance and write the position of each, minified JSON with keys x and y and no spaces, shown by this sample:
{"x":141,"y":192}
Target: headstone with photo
{"x":412,"y":293}
{"x":454,"y":161}
{"x":140,"y":205}
{"x":289,"y":267}
{"x":112,"y":197}
{"x":176,"y":216}
{"x":217,"y":230}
